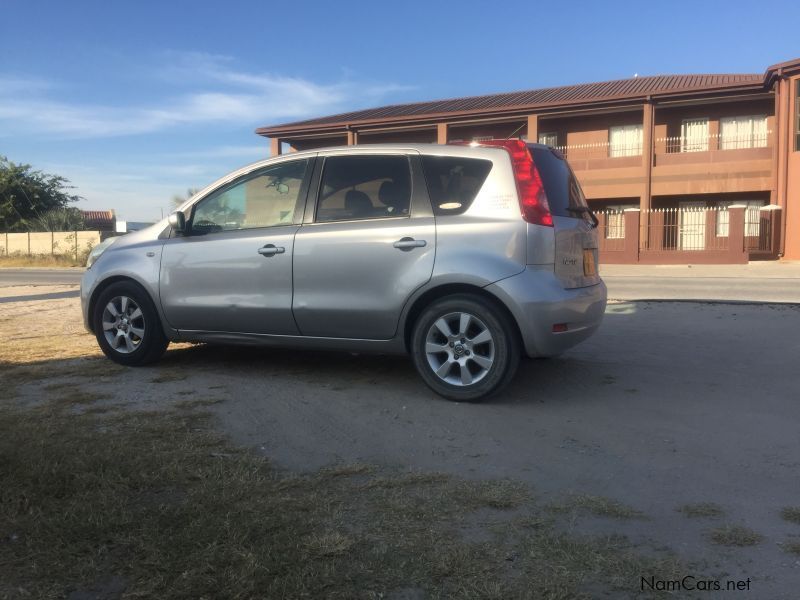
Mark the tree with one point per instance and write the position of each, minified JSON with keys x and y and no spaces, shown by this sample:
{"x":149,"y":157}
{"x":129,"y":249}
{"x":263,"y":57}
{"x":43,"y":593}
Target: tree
{"x":27,"y":195}
{"x":177,"y":199}
{"x":61,"y":219}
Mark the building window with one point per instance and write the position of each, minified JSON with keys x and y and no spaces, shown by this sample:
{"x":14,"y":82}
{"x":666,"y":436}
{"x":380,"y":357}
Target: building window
{"x":752,"y":217}
{"x":743,"y":132}
{"x":625,"y":140}
{"x":694,"y":135}
{"x":615,"y":221}
{"x":548,"y":139}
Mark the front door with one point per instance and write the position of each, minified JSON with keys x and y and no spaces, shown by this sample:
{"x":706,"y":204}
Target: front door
{"x":232,"y":271}
{"x":370,"y":244}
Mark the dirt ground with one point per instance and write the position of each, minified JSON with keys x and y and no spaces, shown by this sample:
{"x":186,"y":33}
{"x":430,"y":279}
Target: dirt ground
{"x":669,"y":405}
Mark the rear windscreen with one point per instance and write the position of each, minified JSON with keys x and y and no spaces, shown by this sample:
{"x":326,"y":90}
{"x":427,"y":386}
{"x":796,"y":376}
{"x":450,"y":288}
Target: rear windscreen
{"x":454,"y":181}
{"x":560,"y":185}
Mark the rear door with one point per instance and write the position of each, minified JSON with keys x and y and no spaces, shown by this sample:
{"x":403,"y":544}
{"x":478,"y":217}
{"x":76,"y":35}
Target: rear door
{"x":573,"y":224}
{"x":369,"y":243}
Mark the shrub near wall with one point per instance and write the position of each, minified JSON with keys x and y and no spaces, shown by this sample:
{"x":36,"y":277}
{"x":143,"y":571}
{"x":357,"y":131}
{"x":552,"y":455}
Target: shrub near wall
{"x":72,"y":244}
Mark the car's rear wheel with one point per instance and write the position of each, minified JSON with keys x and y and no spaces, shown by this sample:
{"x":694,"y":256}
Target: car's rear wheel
{"x":127,"y":326}
{"x":465,"y":348}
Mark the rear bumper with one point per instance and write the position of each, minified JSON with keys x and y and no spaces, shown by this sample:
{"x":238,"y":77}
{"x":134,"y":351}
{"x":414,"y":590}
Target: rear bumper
{"x":538,"y":300}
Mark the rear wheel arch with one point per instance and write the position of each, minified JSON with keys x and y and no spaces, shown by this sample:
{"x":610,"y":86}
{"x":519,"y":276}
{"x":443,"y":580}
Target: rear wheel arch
{"x":455,"y":289}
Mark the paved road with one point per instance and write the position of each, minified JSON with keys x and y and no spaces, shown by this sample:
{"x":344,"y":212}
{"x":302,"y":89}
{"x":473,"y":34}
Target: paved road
{"x":40,"y":276}
{"x":739,"y":289}
{"x":659,"y":286}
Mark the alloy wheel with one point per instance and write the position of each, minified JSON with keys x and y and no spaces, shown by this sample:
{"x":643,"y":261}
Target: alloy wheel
{"x":460,"y":348}
{"x":123,"y":324}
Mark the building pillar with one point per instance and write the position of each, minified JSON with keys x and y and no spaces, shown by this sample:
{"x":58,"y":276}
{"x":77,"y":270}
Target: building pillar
{"x":533,"y":128}
{"x":441,"y":133}
{"x":713,"y":134}
{"x":274,"y":147}
{"x":352,"y":137}
{"x":648,"y":119}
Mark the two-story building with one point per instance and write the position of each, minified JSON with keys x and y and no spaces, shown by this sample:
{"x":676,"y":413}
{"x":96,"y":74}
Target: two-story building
{"x":686,"y":168}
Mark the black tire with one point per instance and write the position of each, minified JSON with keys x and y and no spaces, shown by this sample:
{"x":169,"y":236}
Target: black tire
{"x":141,"y":350}
{"x":504,"y":346}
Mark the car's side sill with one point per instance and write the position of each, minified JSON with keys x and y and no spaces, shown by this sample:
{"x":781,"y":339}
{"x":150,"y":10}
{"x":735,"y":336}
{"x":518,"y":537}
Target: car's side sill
{"x":393,"y":346}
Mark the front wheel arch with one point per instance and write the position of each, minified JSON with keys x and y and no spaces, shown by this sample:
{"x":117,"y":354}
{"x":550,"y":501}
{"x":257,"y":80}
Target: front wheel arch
{"x":103,"y":285}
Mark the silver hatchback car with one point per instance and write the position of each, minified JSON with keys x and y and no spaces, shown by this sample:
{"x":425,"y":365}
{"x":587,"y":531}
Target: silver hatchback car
{"x":463,"y":256}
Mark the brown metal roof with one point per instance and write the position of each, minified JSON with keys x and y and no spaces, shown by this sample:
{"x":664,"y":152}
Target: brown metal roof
{"x":621,"y":89}
{"x":98,"y":218}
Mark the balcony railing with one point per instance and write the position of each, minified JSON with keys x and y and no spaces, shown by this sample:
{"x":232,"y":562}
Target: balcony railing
{"x":712,"y":142}
{"x":600,"y":150}
{"x":688,"y":234}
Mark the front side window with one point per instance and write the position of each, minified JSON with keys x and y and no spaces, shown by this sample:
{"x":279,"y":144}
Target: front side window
{"x":694,"y":135}
{"x":364,"y":187}
{"x":265,"y":198}
{"x":743,"y":132}
{"x":625,"y":140}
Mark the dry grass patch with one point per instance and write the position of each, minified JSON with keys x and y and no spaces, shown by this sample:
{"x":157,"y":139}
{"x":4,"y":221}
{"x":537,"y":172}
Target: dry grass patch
{"x":43,"y":260}
{"x":599,"y":506}
{"x":701,"y":510}
{"x":792,"y":547}
{"x":165,"y":508}
{"x":791,"y":514}
{"x":169,"y":376}
{"x":735,"y":535}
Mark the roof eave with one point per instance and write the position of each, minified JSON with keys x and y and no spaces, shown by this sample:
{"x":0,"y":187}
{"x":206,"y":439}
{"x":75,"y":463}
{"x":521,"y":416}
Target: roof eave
{"x":344,"y":126}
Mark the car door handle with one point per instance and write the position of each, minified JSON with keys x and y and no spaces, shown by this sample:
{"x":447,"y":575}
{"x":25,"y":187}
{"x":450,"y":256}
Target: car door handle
{"x":408,"y":243}
{"x":271,"y":250}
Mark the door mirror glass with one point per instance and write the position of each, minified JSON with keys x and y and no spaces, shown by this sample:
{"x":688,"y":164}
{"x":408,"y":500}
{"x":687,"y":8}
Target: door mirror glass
{"x":177,"y":221}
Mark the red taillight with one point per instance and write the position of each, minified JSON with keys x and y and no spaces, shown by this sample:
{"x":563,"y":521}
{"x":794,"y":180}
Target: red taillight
{"x":532,"y":197}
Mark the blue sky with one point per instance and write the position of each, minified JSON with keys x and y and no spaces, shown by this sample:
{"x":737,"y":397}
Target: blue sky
{"x":137,"y":101}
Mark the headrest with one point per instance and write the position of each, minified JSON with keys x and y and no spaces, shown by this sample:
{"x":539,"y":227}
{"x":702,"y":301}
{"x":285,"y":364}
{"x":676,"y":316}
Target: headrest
{"x":394,"y":196}
{"x":358,"y":203}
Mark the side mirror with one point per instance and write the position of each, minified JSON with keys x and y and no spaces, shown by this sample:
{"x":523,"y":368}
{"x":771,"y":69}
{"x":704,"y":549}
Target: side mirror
{"x":177,"y":221}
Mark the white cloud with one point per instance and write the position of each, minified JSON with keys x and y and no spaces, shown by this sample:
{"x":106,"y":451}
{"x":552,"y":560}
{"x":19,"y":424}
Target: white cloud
{"x":217,"y":93}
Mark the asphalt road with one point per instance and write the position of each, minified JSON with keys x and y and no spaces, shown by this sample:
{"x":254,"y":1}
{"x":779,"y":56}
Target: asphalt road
{"x":736,"y":289}
{"x":620,"y":287}
{"x":40,"y":276}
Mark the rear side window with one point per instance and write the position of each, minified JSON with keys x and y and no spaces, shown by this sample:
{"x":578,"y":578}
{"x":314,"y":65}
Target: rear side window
{"x":364,"y":187}
{"x":562,"y":188}
{"x":453,"y":182}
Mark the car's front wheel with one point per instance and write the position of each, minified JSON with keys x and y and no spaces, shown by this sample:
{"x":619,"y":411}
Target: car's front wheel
{"x":127,"y":326}
{"x":465,"y":348}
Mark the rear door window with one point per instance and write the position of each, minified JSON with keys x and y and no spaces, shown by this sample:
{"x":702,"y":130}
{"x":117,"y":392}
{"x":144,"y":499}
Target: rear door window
{"x":454,"y":182}
{"x":564,"y":193}
{"x":364,"y":187}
